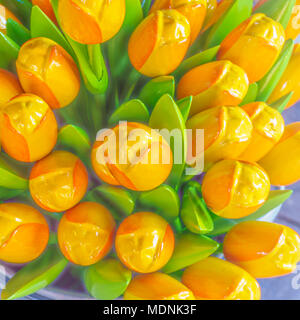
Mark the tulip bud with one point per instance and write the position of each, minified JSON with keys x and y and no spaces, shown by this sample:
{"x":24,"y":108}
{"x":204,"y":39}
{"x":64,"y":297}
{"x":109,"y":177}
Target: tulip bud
{"x":157,"y":286}
{"x":282,"y":163}
{"x":47,"y":70}
{"x":216,"y":279}
{"x":219,"y":83}
{"x":46,"y":7}
{"x":58,"y":182}
{"x":93,"y":21}
{"x":227,"y":132}
{"x":193,"y":10}
{"x":234,"y":189}
{"x":263,"y":249}
{"x":144,"y":242}
{"x":289,"y":81}
{"x":4,"y":15}
{"x":9,"y":86}
{"x":24,"y":233}
{"x":254,"y":45}
{"x":28,"y":128}
{"x":159,"y":43}
{"x":268,"y":127}
{"x":141,"y":147}
{"x":85,"y":233}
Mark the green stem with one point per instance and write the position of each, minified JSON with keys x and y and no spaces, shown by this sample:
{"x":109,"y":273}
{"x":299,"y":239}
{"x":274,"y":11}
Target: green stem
{"x":96,"y":59}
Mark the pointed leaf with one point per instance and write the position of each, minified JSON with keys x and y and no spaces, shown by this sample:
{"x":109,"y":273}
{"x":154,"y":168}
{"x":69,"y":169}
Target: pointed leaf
{"x":10,"y":179}
{"x":6,"y":194}
{"x":185,"y":106}
{"x":21,"y":8}
{"x":9,"y":51}
{"x":281,"y":103}
{"x":251,"y":94}
{"x":17,"y":32}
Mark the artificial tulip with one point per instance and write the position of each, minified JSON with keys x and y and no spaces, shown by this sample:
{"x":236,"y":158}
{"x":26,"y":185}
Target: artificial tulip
{"x":233,"y":189}
{"x":268,"y":127}
{"x":282,"y":163}
{"x":93,"y":21}
{"x":47,"y":70}
{"x":9,"y":86}
{"x":263,"y":249}
{"x":46,"y":7}
{"x":28,"y":128}
{"x":219,"y":83}
{"x":157,"y":286}
{"x":4,"y":15}
{"x":216,"y":279}
{"x":159,"y":43}
{"x":254,"y":45}
{"x":58,"y":182}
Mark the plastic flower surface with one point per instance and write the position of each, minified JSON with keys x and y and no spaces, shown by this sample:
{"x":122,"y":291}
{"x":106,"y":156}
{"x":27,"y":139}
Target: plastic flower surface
{"x":28,"y":128}
{"x":91,"y":21}
{"x":85,"y":233}
{"x":157,"y":286}
{"x":254,"y":45}
{"x":9,"y":86}
{"x":159,"y":43}
{"x":4,"y":15}
{"x":47,"y":70}
{"x":147,"y":157}
{"x":46,"y":7}
{"x":24,"y":233}
{"x":263,"y":249}
{"x":235,"y":189}
{"x":144,"y":242}
{"x":219,"y":83}
{"x":58,"y":182}
{"x":216,"y":279}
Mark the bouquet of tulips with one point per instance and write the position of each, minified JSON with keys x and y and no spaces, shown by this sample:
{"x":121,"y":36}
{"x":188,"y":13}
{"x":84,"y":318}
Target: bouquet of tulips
{"x":93,"y":184}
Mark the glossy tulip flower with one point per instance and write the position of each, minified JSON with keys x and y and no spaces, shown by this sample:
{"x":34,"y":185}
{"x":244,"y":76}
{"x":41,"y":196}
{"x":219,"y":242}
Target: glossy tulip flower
{"x":4,"y":15}
{"x":24,"y":233}
{"x":47,"y":70}
{"x":58,"y":182}
{"x":216,"y":279}
{"x":28,"y":128}
{"x":193,"y":10}
{"x":211,"y":7}
{"x":254,"y":45}
{"x":93,"y":21}
{"x":268,"y":127}
{"x":289,"y":81}
{"x":159,"y":43}
{"x":263,"y":249}
{"x":46,"y":7}
{"x":9,"y":86}
{"x":234,"y":189}
{"x":85,"y":233}
{"x":157,"y":286}
{"x":138,"y":170}
{"x":282,"y":163}
{"x":219,"y":83}
{"x":227,"y":132}
{"x":144,"y":242}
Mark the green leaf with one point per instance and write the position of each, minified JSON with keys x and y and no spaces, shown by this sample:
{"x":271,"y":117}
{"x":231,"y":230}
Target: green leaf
{"x":269,"y":82}
{"x":167,"y":115}
{"x":163,"y":200}
{"x":189,"y":249}
{"x":238,"y":12}
{"x":133,"y":110}
{"x":155,"y":89}
{"x":280,"y":12}
{"x":281,"y":103}
{"x":21,"y":8}
{"x":9,"y":51}
{"x":6,"y":194}
{"x":185,"y":106}
{"x":17,"y":32}
{"x":107,"y":279}
{"x":221,"y":225}
{"x":146,"y":4}
{"x":251,"y":94}
{"x":194,"y":212}
{"x":196,"y":60}
{"x":35,"y":275}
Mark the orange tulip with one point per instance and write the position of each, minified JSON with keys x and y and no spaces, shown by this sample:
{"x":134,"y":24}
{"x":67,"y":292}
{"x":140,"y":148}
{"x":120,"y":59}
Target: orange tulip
{"x":159,"y":43}
{"x":219,"y":83}
{"x":235,"y":189}
{"x":58,"y":182}
{"x":47,"y":70}
{"x":254,"y":45}
{"x":46,"y":7}
{"x":144,"y":242}
{"x":216,"y":279}
{"x":157,"y":286}
{"x":9,"y":86}
{"x":93,"y":21}
{"x":85,"y":233}
{"x":4,"y":15}
{"x":210,"y":10}
{"x":24,"y":233}
{"x":28,"y":128}
{"x":282,"y":163}
{"x":263,"y":249}
{"x":268,"y":127}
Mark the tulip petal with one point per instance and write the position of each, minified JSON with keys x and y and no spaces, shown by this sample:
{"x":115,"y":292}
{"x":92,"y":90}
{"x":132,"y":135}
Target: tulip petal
{"x":281,"y":103}
{"x":251,"y":94}
{"x":8,"y":51}
{"x":17,"y":32}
